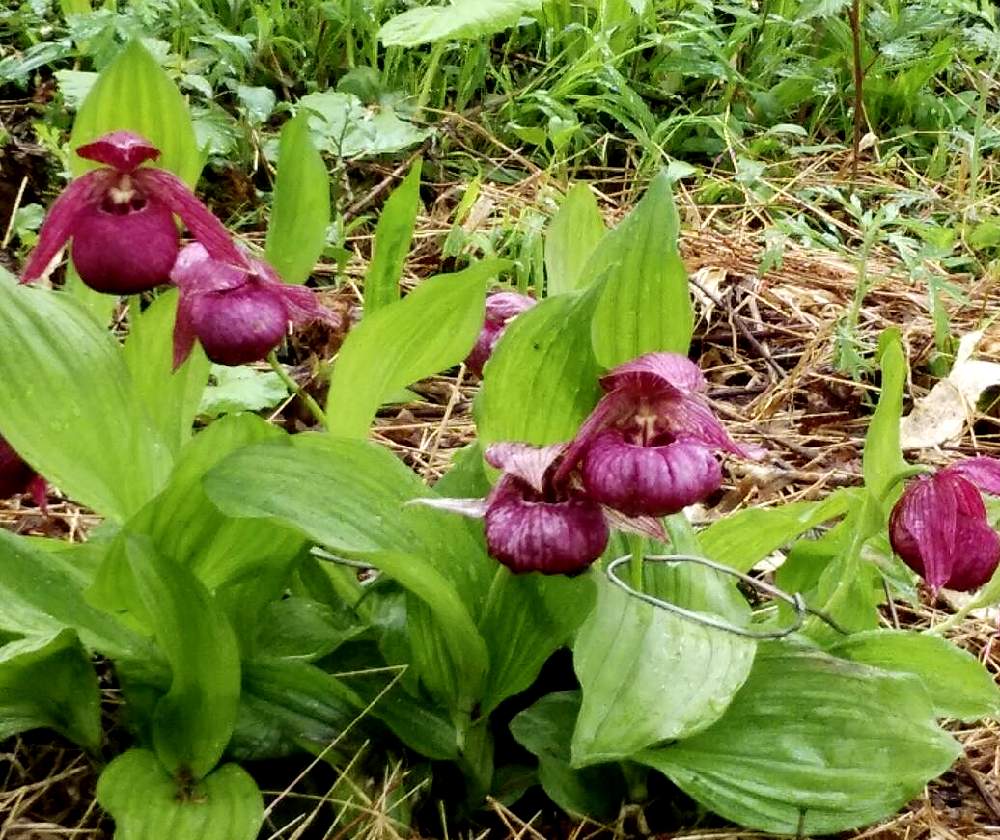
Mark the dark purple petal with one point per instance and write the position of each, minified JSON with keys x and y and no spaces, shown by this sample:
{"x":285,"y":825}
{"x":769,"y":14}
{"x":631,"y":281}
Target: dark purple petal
{"x":60,"y":221}
{"x":527,"y":534}
{"x":656,"y":373}
{"x":502,"y":307}
{"x":15,"y":475}
{"x":204,"y":226}
{"x":127,"y":248}
{"x":481,"y":351}
{"x":526,"y":462}
{"x":304,"y":306}
{"x":239,"y":326}
{"x":195,"y":272}
{"x":982,"y":471}
{"x":184,"y":336}
{"x":123,"y":151}
{"x":611,"y":410}
{"x":978,"y":550}
{"x":648,"y":480}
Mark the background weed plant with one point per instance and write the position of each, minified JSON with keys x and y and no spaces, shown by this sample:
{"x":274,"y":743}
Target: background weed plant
{"x":234,"y":608}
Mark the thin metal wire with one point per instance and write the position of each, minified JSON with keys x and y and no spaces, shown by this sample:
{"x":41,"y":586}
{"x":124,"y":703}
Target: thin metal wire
{"x":796,"y":601}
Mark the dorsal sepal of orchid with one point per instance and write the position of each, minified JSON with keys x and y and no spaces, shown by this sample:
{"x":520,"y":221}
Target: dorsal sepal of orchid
{"x":501,"y":309}
{"x":123,"y":151}
{"x":653,"y":373}
{"x":982,"y":471}
{"x":529,"y":463}
{"x":643,"y":526}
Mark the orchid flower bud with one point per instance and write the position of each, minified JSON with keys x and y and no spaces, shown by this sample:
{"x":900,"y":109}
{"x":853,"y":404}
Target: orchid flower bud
{"x":239,"y":312}
{"x":120,"y":219}
{"x":17,"y":477}
{"x":647,"y":448}
{"x":939,"y":527}
{"x":501,"y":309}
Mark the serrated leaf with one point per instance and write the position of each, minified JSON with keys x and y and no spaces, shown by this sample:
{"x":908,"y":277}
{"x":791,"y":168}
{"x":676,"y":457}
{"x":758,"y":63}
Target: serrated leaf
{"x":430,"y":330}
{"x":544,"y":360}
{"x":49,"y":682}
{"x":68,"y":404}
{"x":461,"y":19}
{"x":958,"y":684}
{"x":134,"y":93}
{"x":148,"y":804}
{"x":646,"y":305}
{"x":171,"y":397}
{"x":573,"y":234}
{"x":300,"y":212}
{"x":649,"y":676}
{"x":239,"y":389}
{"x":194,"y":720}
{"x":393,"y":235}
{"x":343,"y":126}
{"x":813,"y":745}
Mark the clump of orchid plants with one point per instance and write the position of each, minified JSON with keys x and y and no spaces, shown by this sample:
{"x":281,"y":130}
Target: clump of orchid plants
{"x":647,"y":450}
{"x":939,"y":526}
{"x":124,"y":240}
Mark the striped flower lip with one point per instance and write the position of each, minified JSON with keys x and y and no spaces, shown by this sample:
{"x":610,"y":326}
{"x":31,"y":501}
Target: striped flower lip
{"x":238,"y":312}
{"x":939,"y":526}
{"x":120,"y":220}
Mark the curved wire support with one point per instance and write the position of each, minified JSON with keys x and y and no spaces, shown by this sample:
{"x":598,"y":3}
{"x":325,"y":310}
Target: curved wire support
{"x":796,"y":601}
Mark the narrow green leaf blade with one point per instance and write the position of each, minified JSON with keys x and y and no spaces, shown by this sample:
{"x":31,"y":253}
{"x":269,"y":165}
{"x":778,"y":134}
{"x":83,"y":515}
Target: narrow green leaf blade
{"x":69,"y":406}
{"x":148,"y":804}
{"x":573,"y":234}
{"x":393,"y":235}
{"x":300,"y":213}
{"x":646,"y":304}
{"x":432,"y":328}
{"x":883,"y":457}
{"x":812,"y":744}
{"x":134,"y":93}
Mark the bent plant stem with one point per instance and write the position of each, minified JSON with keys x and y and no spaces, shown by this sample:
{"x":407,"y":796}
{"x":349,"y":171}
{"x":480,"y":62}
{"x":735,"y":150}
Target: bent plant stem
{"x":296,"y":389}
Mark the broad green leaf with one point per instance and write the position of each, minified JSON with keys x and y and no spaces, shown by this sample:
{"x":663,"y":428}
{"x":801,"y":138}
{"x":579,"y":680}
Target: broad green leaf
{"x":300,"y":212}
{"x":958,"y":685}
{"x":883,"y":457}
{"x":134,"y":93}
{"x":812,"y":744}
{"x":301,"y":629}
{"x":649,"y":676}
{"x":49,"y":682}
{"x":460,"y":19}
{"x":573,"y":234}
{"x":147,"y":803}
{"x":646,"y":305}
{"x":344,"y":126}
{"x":241,"y":388}
{"x":69,"y":406}
{"x":393,"y":235}
{"x":431,"y":329}
{"x":194,"y":720}
{"x":171,"y":397}
{"x":743,"y":539}
{"x":351,"y":496}
{"x":545,"y":361}
{"x":545,"y":729}
{"x":38,"y":596}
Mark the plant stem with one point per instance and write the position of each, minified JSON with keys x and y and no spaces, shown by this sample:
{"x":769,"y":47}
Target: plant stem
{"x":294,"y":387}
{"x":854,"y":16}
{"x":637,"y":546}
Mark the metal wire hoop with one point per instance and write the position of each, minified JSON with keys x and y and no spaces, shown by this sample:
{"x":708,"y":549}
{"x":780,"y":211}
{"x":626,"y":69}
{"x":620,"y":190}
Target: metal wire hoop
{"x":796,"y":601}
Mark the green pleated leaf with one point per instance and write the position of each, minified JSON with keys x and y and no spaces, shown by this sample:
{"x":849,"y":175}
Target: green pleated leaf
{"x":646,"y":305}
{"x":134,"y":93}
{"x":39,"y":596}
{"x":573,"y":234}
{"x":812,"y":744}
{"x":193,"y":721}
{"x":958,"y":684}
{"x":351,"y":496}
{"x":300,"y":212}
{"x":148,"y":804}
{"x":171,"y":397}
{"x":649,"y":676}
{"x":69,"y":406}
{"x":48,"y":682}
{"x":430,"y":330}
{"x":392,"y":242}
{"x":461,"y":19}
{"x":544,"y":360}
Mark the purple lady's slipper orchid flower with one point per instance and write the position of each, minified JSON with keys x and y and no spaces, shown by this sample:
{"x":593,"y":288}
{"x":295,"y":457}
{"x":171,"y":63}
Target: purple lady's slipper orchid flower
{"x":501,"y":309}
{"x":647,"y":448}
{"x":238,"y":311}
{"x":939,"y":527}
{"x":17,"y":477}
{"x":120,"y":219}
